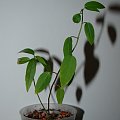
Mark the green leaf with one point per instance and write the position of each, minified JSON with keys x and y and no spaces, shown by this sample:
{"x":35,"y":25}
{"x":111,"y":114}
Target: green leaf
{"x":30,"y":73}
{"x":77,"y":18}
{"x":89,"y":31}
{"x":67,"y":70}
{"x":27,"y":50}
{"x":67,"y":49}
{"x":94,"y":6}
{"x":49,"y":66}
{"x":43,"y":81}
{"x":60,"y":95}
{"x":23,"y":60}
{"x":93,"y":9}
{"x":42,"y":60}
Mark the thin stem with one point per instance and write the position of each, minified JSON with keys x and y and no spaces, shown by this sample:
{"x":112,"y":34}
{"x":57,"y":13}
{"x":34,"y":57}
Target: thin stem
{"x":74,"y":37}
{"x":79,"y":31}
{"x":38,"y":94}
{"x":54,"y":72}
{"x":72,"y":51}
{"x":52,"y":96}
{"x":39,"y":97}
{"x":51,"y":89}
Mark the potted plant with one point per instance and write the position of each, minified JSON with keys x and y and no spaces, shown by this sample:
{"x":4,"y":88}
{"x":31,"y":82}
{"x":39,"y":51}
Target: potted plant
{"x":49,"y":111}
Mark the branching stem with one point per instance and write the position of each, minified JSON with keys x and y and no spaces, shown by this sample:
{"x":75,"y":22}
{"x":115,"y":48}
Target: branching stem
{"x":57,"y":74}
{"x":51,"y":89}
{"x":74,"y":37}
{"x":79,"y":30}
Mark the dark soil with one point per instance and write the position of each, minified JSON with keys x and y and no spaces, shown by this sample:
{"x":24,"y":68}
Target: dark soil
{"x":54,"y":115}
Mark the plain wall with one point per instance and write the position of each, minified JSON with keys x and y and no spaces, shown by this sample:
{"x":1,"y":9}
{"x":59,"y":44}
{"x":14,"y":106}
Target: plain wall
{"x":46,"y":24}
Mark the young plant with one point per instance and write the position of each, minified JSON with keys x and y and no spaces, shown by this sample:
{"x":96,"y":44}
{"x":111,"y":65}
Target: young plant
{"x":69,"y":63}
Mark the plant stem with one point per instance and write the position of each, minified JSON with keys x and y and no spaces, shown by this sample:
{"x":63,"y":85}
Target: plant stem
{"x":79,"y":30}
{"x":37,"y":93}
{"x":39,"y":98}
{"x":51,"y":89}
{"x":72,"y":51}
{"x":74,"y":37}
{"x":54,"y":72}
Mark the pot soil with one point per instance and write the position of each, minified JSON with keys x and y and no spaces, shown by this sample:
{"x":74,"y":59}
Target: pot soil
{"x":57,"y":112}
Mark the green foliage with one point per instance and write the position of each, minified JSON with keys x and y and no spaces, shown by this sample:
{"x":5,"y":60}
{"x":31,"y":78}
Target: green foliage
{"x":94,"y":6}
{"x":77,"y":18}
{"x":30,"y":73}
{"x":43,"y":82}
{"x":67,"y":70}
{"x":89,"y":31}
{"x":41,"y":60}
{"x":60,"y":95}
{"x":67,"y":49}
{"x":23,"y":60}
{"x":27,"y":50}
{"x":49,"y":66}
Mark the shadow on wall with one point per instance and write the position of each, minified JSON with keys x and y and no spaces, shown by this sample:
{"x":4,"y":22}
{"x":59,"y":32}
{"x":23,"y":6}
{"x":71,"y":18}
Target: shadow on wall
{"x":91,"y":64}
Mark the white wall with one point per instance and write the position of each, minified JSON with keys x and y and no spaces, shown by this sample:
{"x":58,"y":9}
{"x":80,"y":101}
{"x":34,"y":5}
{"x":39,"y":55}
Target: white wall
{"x":43,"y":23}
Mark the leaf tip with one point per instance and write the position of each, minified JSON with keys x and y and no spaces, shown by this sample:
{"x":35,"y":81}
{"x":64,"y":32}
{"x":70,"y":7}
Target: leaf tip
{"x":27,"y":89}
